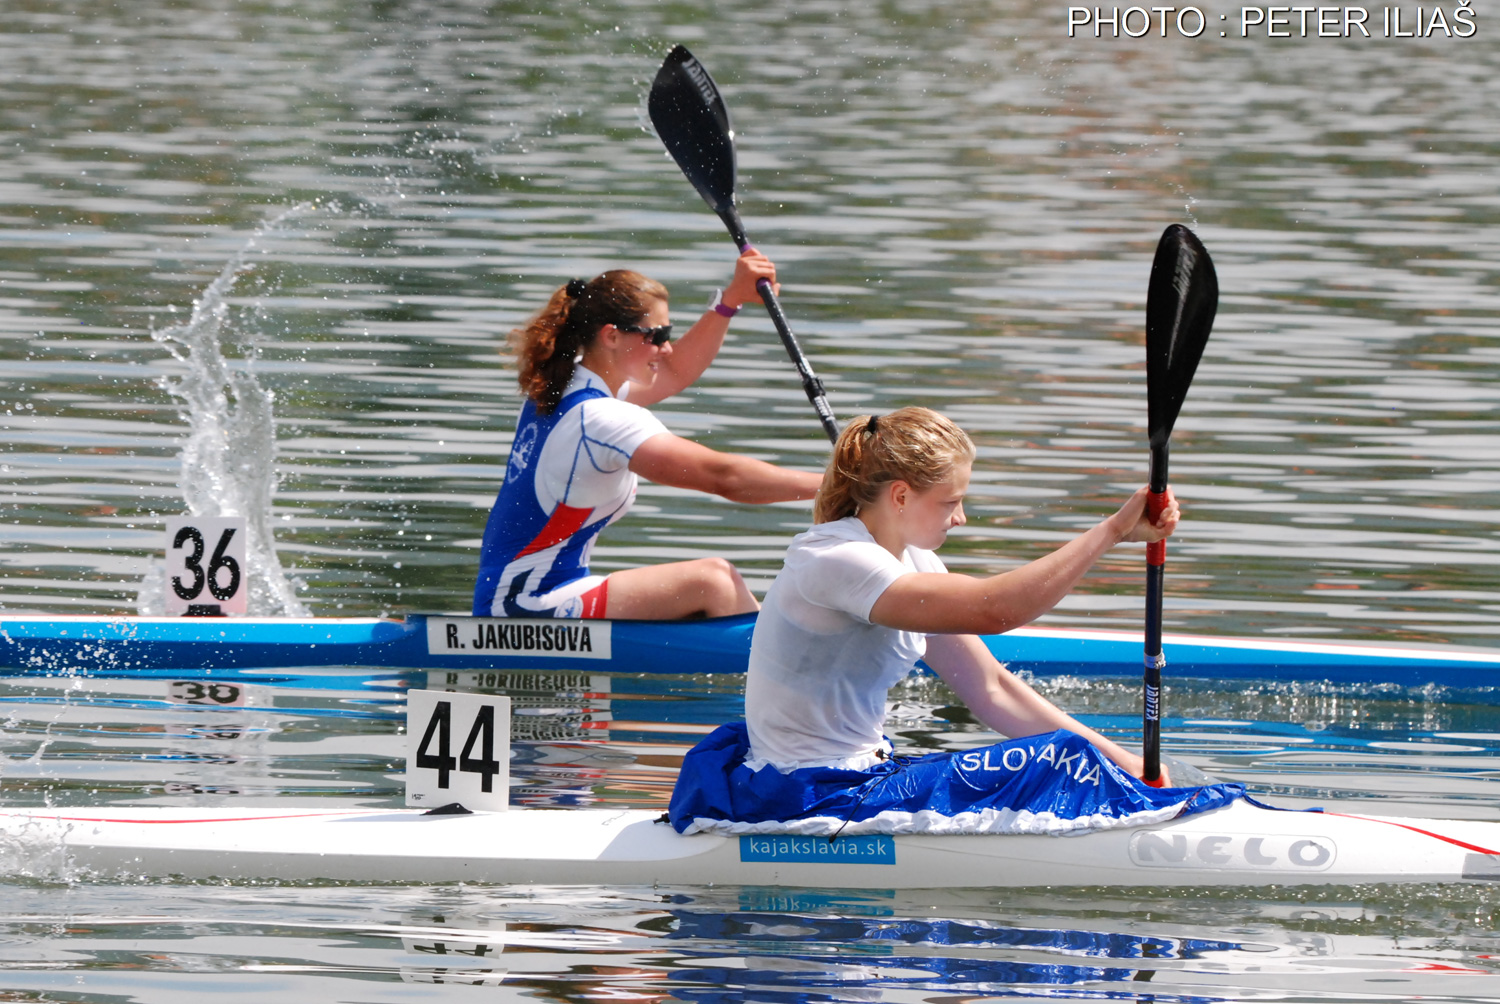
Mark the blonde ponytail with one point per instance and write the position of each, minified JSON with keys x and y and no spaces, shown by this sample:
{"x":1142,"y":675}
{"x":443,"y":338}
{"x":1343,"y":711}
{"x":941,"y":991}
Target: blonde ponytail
{"x":915,"y":445}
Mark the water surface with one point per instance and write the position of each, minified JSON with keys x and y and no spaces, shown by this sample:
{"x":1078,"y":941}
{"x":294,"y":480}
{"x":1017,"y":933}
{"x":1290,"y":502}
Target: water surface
{"x":963,"y":202}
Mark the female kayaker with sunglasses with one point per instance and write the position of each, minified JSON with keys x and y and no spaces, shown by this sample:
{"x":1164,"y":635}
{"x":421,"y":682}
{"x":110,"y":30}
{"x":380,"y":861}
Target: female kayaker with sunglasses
{"x":859,"y":600}
{"x":590,"y":362}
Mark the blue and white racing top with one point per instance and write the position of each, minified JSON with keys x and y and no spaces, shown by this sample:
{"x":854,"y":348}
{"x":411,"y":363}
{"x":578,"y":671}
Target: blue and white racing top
{"x":567,"y":479}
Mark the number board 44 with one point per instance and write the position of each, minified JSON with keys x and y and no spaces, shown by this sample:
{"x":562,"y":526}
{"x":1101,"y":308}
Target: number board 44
{"x":457,"y":749}
{"x":206,"y":573}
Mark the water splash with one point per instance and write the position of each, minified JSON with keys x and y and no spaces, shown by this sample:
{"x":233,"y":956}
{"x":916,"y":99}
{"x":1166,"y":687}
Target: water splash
{"x":229,"y":457}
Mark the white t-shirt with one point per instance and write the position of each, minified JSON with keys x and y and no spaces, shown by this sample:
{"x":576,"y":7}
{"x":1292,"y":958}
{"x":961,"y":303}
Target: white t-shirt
{"x":819,"y":670}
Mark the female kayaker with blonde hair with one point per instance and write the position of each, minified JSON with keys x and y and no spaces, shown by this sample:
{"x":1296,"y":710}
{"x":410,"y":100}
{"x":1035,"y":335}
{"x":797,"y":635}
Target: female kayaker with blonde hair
{"x":590,"y":362}
{"x":860,"y":599}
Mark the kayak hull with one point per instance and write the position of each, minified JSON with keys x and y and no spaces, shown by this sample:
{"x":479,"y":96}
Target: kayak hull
{"x":1240,"y":844}
{"x":164,"y":646}
{"x":222,"y":645}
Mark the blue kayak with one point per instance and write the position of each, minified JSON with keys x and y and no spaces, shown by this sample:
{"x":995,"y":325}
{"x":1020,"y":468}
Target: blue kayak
{"x":82,"y":645}
{"x":51,"y":645}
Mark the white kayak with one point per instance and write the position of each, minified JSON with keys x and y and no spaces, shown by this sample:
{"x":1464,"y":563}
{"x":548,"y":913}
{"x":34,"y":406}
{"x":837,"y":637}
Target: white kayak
{"x":1240,"y":844}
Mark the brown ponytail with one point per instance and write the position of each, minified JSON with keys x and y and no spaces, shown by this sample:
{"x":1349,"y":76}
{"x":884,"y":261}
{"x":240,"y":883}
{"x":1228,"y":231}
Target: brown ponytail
{"x":548,"y":344}
{"x":915,"y":445}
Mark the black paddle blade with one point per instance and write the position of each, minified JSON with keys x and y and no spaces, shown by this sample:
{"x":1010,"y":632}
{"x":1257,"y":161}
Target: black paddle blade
{"x":1180,"y":306}
{"x":690,"y":117}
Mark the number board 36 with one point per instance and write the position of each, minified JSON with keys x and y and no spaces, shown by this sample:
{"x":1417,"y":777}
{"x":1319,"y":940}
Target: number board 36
{"x":206,"y":573}
{"x":457,"y":749}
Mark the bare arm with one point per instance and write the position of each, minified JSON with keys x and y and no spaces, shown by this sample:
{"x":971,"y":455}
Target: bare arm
{"x":951,"y":603}
{"x":1006,"y":703}
{"x":682,"y":463}
{"x":695,"y":350}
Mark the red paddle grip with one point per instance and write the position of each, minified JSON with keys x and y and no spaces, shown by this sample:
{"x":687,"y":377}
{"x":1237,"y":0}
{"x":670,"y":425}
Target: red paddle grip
{"x":1156,"y":554}
{"x":1158,"y":783}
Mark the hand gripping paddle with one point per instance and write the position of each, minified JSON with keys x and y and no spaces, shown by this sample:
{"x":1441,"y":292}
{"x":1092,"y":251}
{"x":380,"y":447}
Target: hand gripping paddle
{"x":1180,"y":306}
{"x":690,"y":117}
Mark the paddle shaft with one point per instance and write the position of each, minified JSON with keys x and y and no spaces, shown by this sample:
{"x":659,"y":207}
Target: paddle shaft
{"x":1156,"y":560}
{"x":811,"y":385}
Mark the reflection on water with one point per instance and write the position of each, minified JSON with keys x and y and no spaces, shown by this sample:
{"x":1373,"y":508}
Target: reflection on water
{"x":588,"y":739}
{"x":963,"y":202}
{"x":750,"y":945}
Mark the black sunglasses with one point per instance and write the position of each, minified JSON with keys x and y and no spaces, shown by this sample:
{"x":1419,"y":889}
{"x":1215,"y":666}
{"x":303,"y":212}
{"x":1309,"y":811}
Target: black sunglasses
{"x":656,"y":336}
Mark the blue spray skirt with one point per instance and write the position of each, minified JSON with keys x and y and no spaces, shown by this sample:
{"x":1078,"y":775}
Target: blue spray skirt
{"x":1055,"y":784}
